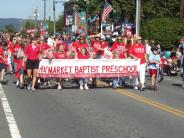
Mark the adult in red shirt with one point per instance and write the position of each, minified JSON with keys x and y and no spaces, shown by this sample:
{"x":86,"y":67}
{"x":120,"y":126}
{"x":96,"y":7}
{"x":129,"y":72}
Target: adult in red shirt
{"x":97,"y":47}
{"x":138,"y":51}
{"x":32,"y":53}
{"x":119,"y":46}
{"x":82,"y":44}
{"x":43,"y":45}
{"x":2,"y":61}
{"x":104,"y":43}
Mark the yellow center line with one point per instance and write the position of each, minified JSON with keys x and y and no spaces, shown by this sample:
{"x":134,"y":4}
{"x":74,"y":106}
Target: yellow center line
{"x":149,"y":102}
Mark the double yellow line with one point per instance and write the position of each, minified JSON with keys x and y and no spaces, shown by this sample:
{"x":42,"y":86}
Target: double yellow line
{"x":150,"y":102}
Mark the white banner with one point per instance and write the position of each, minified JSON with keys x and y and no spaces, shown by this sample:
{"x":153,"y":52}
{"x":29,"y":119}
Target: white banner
{"x":89,"y":68}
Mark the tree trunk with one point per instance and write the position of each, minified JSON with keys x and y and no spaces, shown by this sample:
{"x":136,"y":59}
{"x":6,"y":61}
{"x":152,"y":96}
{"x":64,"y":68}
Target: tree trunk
{"x":182,"y":9}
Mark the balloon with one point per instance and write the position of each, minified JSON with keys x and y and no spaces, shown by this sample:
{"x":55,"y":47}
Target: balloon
{"x":167,"y":54}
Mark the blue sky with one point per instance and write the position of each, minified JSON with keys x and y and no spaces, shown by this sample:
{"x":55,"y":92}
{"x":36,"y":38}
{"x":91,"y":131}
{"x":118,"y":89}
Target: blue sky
{"x":24,"y":8}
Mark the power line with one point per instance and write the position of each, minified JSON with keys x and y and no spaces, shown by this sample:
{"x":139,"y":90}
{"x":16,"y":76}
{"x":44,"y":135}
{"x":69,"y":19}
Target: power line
{"x":49,"y":9}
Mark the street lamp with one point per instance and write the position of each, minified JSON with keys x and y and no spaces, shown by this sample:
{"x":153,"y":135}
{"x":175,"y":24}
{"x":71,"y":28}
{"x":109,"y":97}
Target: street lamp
{"x":138,"y":13}
{"x":35,"y":14}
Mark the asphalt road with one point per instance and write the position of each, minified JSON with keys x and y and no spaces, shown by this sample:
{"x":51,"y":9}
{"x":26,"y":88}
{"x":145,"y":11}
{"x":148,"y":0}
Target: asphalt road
{"x":96,"y":113}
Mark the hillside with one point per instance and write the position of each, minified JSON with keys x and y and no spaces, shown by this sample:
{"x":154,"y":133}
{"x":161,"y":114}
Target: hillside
{"x":17,"y":23}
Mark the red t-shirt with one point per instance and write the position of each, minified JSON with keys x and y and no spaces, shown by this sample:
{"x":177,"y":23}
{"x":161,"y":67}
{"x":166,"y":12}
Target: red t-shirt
{"x":16,"y":48}
{"x":121,"y":48}
{"x":32,"y":53}
{"x":44,"y":46}
{"x":74,"y":44}
{"x":11,"y":46}
{"x":96,"y":46}
{"x":139,"y":51}
{"x":59,"y":55}
{"x":104,"y":44}
{"x":80,"y":56}
{"x":79,"y":47}
{"x":2,"y":54}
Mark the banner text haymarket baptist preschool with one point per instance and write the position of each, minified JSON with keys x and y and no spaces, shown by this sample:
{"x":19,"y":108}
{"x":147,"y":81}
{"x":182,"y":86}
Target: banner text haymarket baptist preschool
{"x":88,"y":68}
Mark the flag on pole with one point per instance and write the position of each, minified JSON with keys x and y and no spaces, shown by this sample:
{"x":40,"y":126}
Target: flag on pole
{"x":107,"y":10}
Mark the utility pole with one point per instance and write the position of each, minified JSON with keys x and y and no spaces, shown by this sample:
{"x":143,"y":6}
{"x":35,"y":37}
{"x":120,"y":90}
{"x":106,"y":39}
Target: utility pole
{"x":138,"y":16}
{"x":54,"y":16}
{"x":36,"y":17}
{"x":30,"y":24}
{"x":44,"y":18}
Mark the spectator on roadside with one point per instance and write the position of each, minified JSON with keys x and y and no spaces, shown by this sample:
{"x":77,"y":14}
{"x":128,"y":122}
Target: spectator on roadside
{"x":182,"y":64}
{"x":154,"y":61}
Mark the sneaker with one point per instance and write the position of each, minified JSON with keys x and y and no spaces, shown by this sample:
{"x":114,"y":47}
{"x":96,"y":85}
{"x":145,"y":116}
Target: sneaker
{"x":17,"y":83}
{"x":21,"y":86}
{"x":135,"y":88}
{"x":29,"y":87}
{"x":86,"y":87}
{"x":33,"y":89}
{"x":45,"y":84}
{"x":81,"y":87}
{"x":59,"y":87}
{"x":141,"y":88}
{"x":114,"y":87}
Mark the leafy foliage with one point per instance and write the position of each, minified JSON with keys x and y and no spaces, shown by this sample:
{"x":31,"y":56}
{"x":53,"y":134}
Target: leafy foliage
{"x":28,"y":24}
{"x":10,"y":28}
{"x":166,"y":31}
{"x":60,"y":23}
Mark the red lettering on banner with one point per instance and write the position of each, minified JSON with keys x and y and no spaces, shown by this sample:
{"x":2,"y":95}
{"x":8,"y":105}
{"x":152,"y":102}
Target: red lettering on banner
{"x":45,"y":69}
{"x":108,"y":69}
{"x":103,"y":69}
{"x":41,"y":69}
{"x":49,"y":70}
{"x":78,"y":71}
{"x":54,"y":70}
{"x":58,"y":70}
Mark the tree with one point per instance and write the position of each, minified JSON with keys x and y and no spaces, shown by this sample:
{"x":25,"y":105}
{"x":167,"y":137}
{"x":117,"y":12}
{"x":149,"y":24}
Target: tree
{"x":28,"y":24}
{"x":181,"y":9}
{"x":166,"y":31}
{"x":60,"y":23}
{"x":10,"y":28}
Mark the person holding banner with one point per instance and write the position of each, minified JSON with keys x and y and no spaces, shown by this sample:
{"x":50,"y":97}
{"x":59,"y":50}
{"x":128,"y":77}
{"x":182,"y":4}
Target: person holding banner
{"x":83,"y":53}
{"x":97,"y":47}
{"x":138,"y":51}
{"x":119,"y":50}
{"x":60,"y":54}
{"x":32,"y":53}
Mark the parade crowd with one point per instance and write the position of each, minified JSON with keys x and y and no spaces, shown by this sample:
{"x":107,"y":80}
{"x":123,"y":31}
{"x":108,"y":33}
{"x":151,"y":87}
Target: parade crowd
{"x":20,"y":55}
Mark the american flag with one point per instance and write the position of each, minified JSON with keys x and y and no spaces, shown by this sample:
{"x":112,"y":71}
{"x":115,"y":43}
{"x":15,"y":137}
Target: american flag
{"x":107,"y":9}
